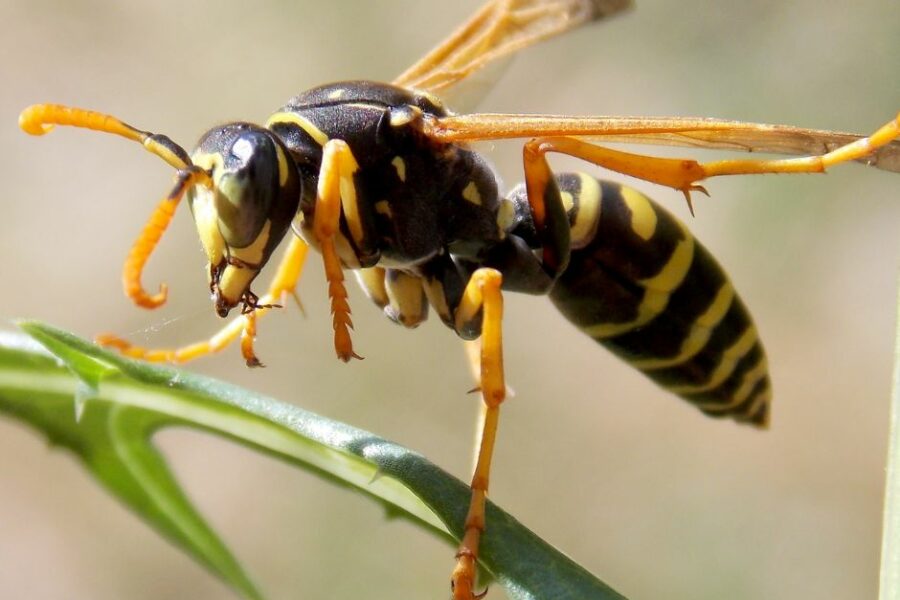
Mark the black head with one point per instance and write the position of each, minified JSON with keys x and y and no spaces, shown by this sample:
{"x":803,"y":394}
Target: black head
{"x":247,"y":211}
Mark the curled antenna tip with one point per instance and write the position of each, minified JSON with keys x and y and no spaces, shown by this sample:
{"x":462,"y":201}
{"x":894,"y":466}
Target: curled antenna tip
{"x":30,"y":120}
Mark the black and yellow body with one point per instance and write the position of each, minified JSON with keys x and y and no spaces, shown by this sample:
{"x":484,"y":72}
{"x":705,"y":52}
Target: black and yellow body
{"x":379,"y":178}
{"x":423,"y":216}
{"x":640,"y":284}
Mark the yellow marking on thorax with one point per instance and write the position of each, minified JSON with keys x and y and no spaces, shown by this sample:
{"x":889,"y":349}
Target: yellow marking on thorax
{"x":336,"y":94}
{"x":283,"y":172}
{"x":699,"y":334}
{"x":588,"y":216}
{"x":400,"y":167}
{"x":471,"y":194}
{"x":383,"y":207}
{"x":399,"y":118}
{"x":438,"y":102}
{"x":643,"y":216}
{"x":506,"y":216}
{"x":302,"y":122}
{"x":726,"y":366}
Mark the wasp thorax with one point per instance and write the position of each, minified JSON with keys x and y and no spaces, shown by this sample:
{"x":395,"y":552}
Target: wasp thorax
{"x":244,"y":215}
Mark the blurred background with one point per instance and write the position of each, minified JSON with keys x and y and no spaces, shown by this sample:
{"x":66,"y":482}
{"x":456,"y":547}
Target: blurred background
{"x":635,"y":485}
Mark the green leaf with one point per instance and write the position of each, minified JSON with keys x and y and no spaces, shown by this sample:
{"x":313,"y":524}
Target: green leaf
{"x":106,"y":408}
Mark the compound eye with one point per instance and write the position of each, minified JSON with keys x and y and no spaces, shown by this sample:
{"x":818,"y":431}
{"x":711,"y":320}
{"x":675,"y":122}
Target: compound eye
{"x":247,"y":188}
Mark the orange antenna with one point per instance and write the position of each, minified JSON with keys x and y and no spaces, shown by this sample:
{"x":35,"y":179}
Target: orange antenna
{"x":143,"y":246}
{"x":40,"y":119}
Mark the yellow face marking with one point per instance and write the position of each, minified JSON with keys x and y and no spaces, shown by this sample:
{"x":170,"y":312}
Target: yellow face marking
{"x":726,"y":365}
{"x":254,"y":253}
{"x":282,"y":166}
{"x":235,"y":280}
{"x":400,"y":167}
{"x":302,"y":122}
{"x":206,"y":219}
{"x":471,"y":194}
{"x":643,"y":217}
{"x":699,"y":334}
{"x":383,"y":207}
{"x":210,"y":162}
{"x":588,"y":216}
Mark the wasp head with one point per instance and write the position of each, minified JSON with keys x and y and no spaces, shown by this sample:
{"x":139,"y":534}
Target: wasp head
{"x":248,"y":209}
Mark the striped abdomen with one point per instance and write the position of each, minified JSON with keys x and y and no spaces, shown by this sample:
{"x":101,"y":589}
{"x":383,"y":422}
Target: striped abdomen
{"x":640,"y":284}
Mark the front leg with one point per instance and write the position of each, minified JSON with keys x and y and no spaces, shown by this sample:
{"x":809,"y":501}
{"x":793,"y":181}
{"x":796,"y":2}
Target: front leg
{"x":335,"y":175}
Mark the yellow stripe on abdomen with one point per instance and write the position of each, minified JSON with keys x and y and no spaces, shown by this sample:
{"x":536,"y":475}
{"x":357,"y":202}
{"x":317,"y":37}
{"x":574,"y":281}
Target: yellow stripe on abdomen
{"x":642,"y":286}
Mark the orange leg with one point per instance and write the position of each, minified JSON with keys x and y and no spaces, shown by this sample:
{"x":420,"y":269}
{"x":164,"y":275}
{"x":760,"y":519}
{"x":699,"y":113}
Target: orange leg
{"x":683,"y":174}
{"x":283,"y":284}
{"x":481,"y":293}
{"x":335,"y":176}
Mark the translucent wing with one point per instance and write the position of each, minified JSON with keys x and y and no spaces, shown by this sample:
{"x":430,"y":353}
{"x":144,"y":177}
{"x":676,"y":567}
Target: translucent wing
{"x":718,"y":134}
{"x":498,"y":30}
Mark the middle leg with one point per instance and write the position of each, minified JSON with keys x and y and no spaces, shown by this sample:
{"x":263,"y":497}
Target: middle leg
{"x":482,"y":295}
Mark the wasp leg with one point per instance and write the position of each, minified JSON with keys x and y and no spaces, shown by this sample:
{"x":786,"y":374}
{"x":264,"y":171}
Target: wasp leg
{"x":550,"y":219}
{"x":335,"y":176}
{"x":482,"y":294}
{"x":400,"y":295}
{"x":372,"y":282}
{"x":283,"y":284}
{"x":671,"y":172}
{"x":810,"y":164}
{"x":683,"y":174}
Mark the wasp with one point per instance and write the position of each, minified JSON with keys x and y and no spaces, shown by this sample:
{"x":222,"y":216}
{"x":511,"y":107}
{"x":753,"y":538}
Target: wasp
{"x":381,"y":179}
